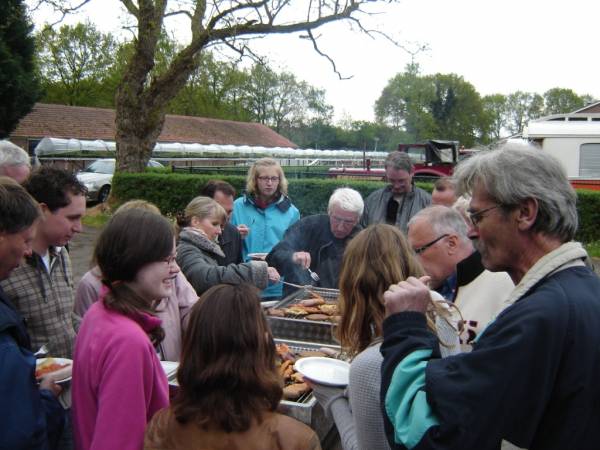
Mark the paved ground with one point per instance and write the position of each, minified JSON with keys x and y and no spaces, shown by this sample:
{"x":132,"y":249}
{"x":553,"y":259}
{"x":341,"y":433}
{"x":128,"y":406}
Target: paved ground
{"x":81,"y":249}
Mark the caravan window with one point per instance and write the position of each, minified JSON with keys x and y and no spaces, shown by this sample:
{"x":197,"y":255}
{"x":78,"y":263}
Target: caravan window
{"x":589,"y":160}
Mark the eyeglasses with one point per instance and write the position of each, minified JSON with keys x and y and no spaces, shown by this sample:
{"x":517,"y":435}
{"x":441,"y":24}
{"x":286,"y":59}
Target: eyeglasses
{"x":421,"y":249}
{"x":170,"y":260}
{"x":343,"y":221}
{"x":271,"y":179}
{"x":477,"y":216}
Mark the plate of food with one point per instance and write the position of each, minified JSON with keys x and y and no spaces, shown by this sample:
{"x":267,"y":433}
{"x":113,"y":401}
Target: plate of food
{"x":327,"y":371}
{"x":60,"y":368}
{"x":257,"y":256}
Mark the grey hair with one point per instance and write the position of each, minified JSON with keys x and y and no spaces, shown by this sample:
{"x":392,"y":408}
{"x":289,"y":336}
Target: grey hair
{"x":12,"y":155}
{"x":517,"y":172}
{"x":347,"y":199}
{"x":398,"y":160}
{"x":443,"y":220}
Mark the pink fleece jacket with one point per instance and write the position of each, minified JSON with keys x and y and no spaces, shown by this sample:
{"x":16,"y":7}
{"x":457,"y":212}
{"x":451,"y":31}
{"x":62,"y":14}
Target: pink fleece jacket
{"x":118,"y":382}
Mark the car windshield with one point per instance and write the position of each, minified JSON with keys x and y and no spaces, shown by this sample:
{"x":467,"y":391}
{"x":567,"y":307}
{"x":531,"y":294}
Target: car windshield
{"x":101,"y":166}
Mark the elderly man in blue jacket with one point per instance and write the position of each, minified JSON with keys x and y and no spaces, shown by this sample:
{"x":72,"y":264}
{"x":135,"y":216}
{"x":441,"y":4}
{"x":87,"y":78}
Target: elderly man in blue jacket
{"x":531,"y":380}
{"x":32,"y":417}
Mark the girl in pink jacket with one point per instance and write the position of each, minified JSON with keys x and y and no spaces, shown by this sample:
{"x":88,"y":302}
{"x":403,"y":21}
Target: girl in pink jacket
{"x":118,"y":382}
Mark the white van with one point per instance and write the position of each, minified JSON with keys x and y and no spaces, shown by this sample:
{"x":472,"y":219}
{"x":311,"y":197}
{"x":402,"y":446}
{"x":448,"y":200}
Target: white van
{"x":575,"y":140}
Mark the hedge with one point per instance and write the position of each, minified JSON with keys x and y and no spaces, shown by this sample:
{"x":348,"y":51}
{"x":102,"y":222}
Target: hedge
{"x":171,"y":192}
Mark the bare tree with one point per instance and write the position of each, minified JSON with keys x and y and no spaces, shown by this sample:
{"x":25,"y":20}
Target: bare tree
{"x":141,"y":99}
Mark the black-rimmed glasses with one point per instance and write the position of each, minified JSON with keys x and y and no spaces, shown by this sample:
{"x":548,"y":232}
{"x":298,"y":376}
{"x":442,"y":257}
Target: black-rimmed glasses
{"x":478,"y":216}
{"x":422,"y":248}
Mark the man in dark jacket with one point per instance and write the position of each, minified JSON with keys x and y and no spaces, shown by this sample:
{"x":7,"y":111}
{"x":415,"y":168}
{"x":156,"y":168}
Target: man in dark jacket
{"x":230,"y":239}
{"x":396,"y":203}
{"x":531,"y":380}
{"x":318,"y":242}
{"x":32,"y":417}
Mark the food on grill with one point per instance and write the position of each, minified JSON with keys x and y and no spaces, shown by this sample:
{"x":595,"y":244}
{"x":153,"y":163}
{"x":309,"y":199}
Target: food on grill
{"x":329,"y":352}
{"x":294,"y":385}
{"x":317,"y":297}
{"x":329,"y":308}
{"x":293,"y":391}
{"x":296,"y":310}
{"x":325,"y":312}
{"x":275,"y":312}
{"x":312,"y":302}
{"x":318,"y":317}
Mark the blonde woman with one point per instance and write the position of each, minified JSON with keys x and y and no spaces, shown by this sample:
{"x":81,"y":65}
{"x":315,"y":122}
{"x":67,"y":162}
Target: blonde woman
{"x":198,"y":250}
{"x":266,"y":210}
{"x":373,"y":260}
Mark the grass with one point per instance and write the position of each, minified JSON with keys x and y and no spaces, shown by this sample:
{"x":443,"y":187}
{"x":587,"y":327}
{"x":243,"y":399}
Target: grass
{"x":95,"y":220}
{"x":593,"y":249}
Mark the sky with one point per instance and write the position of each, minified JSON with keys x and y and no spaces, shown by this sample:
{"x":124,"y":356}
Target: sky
{"x":499,"y":47}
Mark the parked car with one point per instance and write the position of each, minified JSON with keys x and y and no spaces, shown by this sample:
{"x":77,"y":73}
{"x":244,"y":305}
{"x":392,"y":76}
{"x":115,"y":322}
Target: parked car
{"x":97,"y":178}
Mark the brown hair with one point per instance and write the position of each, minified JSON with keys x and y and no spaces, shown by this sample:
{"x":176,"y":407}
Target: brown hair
{"x":375,"y":258}
{"x":251,"y":182}
{"x":227,"y":376}
{"x":130,"y":240}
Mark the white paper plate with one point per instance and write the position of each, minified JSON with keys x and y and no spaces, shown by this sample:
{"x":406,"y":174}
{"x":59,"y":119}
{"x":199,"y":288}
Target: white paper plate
{"x":61,"y":375}
{"x":327,"y":371}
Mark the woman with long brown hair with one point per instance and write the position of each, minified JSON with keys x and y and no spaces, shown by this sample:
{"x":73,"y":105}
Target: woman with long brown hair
{"x":376,"y":258}
{"x":229,"y":387}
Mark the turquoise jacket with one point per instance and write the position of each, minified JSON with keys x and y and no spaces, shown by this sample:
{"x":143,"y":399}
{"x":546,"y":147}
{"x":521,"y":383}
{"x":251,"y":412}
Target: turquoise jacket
{"x":267,"y":227}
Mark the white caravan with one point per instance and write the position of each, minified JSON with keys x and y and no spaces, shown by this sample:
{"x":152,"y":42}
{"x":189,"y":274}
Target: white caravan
{"x":575,"y":140}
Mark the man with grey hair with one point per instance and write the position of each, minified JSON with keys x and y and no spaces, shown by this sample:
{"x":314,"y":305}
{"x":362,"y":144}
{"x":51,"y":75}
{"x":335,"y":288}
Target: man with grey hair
{"x":531,"y":379}
{"x":397,"y":202}
{"x":14,"y":162}
{"x":318,"y":242}
{"x":439,"y":237}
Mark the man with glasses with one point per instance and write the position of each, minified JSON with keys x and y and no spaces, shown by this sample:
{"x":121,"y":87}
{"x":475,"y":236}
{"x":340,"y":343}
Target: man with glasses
{"x":318,"y":242}
{"x":397,"y":202}
{"x":531,"y":380}
{"x":439,"y":237}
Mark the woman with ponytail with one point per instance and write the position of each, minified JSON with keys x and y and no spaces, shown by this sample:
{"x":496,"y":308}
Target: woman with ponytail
{"x":118,"y":382}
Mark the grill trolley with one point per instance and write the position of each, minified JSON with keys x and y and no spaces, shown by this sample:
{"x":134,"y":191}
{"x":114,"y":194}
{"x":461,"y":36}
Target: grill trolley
{"x":306,"y":409}
{"x":299,"y":329}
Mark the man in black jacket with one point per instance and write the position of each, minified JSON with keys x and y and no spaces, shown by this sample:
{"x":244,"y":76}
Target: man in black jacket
{"x":32,"y":417}
{"x":318,"y":242}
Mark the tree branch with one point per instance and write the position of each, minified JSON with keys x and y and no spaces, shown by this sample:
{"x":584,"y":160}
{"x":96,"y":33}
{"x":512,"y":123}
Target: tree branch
{"x":324,"y":55}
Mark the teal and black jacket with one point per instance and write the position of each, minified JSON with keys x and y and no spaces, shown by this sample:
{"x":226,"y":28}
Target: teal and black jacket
{"x":532,"y":379}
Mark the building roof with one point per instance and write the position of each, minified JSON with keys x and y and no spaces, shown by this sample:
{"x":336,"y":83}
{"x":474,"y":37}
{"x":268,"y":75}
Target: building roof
{"x":79,"y":122}
{"x":593,"y":107}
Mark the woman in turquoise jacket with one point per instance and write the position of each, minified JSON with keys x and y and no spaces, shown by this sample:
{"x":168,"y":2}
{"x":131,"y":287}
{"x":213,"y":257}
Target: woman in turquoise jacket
{"x":266,"y":211}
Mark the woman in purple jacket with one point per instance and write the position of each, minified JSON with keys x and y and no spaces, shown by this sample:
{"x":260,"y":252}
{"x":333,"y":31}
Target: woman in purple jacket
{"x":118,"y":382}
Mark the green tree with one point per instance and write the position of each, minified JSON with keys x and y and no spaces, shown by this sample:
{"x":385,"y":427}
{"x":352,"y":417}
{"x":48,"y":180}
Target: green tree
{"x":560,"y":100}
{"x":521,"y":107}
{"x":75,"y":63}
{"x":277,"y":99}
{"x":405,"y":101}
{"x":142,"y":101}
{"x":457,"y":109}
{"x":494,"y":107}
{"x":435,"y":106}
{"x":19,"y":85}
